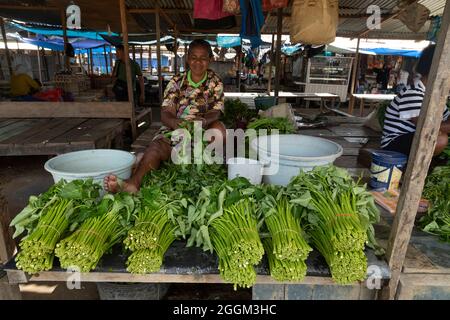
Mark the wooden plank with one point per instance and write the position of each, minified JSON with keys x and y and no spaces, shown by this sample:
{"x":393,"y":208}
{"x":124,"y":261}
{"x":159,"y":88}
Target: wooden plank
{"x":417,"y":262}
{"x":44,"y":149}
{"x":423,"y":287}
{"x":421,"y":153}
{"x":268,"y":292}
{"x":9,"y":291}
{"x":354,"y":78}
{"x":354,"y":131}
{"x":17,"y":128}
{"x":7,"y":244}
{"x":65,"y":110}
{"x":32,"y":130}
{"x":89,"y":131}
{"x":5,"y":123}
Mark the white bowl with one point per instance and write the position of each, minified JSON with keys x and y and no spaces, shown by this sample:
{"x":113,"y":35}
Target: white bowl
{"x":95,"y":164}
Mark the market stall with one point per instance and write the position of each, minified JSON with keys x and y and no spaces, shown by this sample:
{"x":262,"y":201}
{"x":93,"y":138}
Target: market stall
{"x":313,"y":272}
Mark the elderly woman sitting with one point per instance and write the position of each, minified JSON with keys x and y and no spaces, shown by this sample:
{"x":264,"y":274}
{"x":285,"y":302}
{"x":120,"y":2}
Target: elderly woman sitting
{"x":196,"y":95}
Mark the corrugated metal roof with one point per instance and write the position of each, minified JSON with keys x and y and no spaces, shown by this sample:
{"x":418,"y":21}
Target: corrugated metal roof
{"x":180,"y":12}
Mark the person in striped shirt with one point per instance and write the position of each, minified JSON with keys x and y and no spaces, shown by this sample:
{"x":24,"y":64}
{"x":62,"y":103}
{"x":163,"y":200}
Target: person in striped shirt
{"x":402,"y":114}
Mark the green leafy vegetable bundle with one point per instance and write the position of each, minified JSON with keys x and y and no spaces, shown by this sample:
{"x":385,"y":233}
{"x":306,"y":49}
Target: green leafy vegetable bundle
{"x":283,"y":125}
{"x":97,"y":234}
{"x":437,"y":191}
{"x":48,"y":219}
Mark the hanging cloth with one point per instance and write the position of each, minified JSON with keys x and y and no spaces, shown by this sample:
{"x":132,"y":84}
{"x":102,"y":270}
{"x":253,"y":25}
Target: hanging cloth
{"x":252,"y":21}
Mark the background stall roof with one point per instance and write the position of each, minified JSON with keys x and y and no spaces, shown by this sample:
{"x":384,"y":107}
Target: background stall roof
{"x":100,"y":14}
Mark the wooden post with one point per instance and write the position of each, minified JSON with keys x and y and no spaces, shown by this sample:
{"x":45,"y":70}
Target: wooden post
{"x":421,"y":153}
{"x":66,"y":41}
{"x":133,"y":50}
{"x":351,"y":104}
{"x":150,"y":59}
{"x":91,"y":58}
{"x":8,"y":58}
{"x":106,"y":59}
{"x":45,"y":64}
{"x":269,"y":84}
{"x":175,"y":50}
{"x":123,"y":20}
{"x":140,"y":56}
{"x":39,"y":64}
{"x":239,"y":55}
{"x":158,"y":56}
{"x":278,"y":57}
{"x":111,"y":62}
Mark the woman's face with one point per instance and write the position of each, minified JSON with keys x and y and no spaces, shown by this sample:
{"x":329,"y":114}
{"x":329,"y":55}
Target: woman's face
{"x":198,"y":60}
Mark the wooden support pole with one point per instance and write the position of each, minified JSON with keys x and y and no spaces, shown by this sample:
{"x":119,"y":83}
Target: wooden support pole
{"x":39,"y":64}
{"x":8,"y":58}
{"x":66,"y":41}
{"x":111,"y":62}
{"x":133,"y":50}
{"x":150,"y":59}
{"x":422,"y":149}
{"x":141,"y":56}
{"x":278,"y":57}
{"x":106,"y":59}
{"x":123,"y":20}
{"x":351,"y":104}
{"x":91,"y":58}
{"x":158,"y":56}
{"x":239,"y":56}
{"x":175,"y":51}
{"x":269,"y":84}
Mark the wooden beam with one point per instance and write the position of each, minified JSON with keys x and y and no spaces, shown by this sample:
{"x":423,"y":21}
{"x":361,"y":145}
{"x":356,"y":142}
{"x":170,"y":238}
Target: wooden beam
{"x":66,"y":41}
{"x":91,"y":58}
{"x":158,"y":56}
{"x":141,"y":52}
{"x":38,"y":53}
{"x":123,"y":20}
{"x":238,"y":76}
{"x":8,"y":58}
{"x":150,"y":59}
{"x":29,"y":8}
{"x":351,"y":104}
{"x":278,"y":52}
{"x":111,"y":63}
{"x":24,"y":110}
{"x":421,"y":153}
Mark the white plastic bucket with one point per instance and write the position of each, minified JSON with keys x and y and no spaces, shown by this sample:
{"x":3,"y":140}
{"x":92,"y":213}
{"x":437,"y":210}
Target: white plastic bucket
{"x":95,"y":164}
{"x":293,"y":153}
{"x":247,"y":168}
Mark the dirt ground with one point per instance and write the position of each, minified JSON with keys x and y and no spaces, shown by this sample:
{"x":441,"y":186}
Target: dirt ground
{"x":21,"y":177}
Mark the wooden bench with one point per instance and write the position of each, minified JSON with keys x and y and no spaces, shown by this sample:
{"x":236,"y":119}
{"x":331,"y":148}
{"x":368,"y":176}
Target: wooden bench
{"x":49,"y":128}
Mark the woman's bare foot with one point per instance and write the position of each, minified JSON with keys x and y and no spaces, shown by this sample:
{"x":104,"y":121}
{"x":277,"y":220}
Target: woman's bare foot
{"x":113,"y":184}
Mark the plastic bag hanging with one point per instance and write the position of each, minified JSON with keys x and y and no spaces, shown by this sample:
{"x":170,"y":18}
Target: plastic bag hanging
{"x":252,"y":21}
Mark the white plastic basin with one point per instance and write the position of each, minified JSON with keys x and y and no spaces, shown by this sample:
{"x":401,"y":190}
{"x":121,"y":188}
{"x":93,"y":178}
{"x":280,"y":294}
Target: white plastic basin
{"x":95,"y":164}
{"x":293,"y":153}
{"x":247,"y":168}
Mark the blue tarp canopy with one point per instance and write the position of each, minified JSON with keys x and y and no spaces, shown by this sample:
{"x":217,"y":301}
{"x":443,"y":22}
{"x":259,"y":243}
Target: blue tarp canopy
{"x":395,"y":52}
{"x":57,"y":43}
{"x":228,"y":41}
{"x":57,"y":31}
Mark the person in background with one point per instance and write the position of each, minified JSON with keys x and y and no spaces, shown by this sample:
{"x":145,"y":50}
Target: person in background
{"x":402,"y":114}
{"x":195,"y":95}
{"x":22,"y":85}
{"x":119,"y":74}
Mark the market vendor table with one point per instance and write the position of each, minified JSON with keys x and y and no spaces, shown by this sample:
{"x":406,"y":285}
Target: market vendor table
{"x":248,"y":97}
{"x":192,"y":265}
{"x":371,"y":97}
{"x":52,"y":136}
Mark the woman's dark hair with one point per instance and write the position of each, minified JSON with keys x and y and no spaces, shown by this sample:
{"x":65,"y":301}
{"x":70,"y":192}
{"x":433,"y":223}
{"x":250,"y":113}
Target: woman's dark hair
{"x":120,"y":47}
{"x":200,"y":43}
{"x":423,"y":66}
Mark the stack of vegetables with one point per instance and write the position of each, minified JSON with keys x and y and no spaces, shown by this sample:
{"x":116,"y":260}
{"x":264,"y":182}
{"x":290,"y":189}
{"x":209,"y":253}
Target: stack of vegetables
{"x":286,"y":247}
{"x":153,"y":231}
{"x":235,"y":239}
{"x":106,"y":226}
{"x":283,"y":125}
{"x":336,"y":223}
{"x":48,"y":218}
